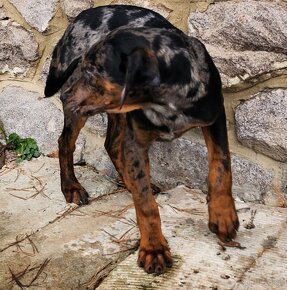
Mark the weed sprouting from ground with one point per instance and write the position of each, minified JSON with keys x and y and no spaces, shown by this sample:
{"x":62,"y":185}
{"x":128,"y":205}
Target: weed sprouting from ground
{"x":26,"y":148}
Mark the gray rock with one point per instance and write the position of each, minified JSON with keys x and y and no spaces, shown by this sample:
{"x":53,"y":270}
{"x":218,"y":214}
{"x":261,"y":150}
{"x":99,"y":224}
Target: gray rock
{"x":100,"y":160}
{"x":45,"y":70}
{"x":157,"y":7}
{"x":98,"y":124}
{"x":73,"y":7}
{"x":250,"y":180}
{"x":261,"y":123}
{"x":29,"y":115}
{"x":179,"y":162}
{"x":37,"y":13}
{"x":3,"y":14}
{"x":18,"y":48}
{"x":245,"y":38}
{"x":185,"y":162}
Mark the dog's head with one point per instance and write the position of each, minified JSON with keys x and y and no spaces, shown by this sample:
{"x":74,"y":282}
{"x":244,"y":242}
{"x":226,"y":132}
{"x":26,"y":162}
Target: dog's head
{"x":114,"y":75}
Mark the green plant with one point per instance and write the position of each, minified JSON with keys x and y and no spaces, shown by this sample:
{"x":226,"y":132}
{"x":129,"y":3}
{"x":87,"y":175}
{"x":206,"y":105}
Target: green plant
{"x":26,"y":148}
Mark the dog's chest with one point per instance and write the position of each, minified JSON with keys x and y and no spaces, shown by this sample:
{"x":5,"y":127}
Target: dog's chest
{"x":173,"y":120}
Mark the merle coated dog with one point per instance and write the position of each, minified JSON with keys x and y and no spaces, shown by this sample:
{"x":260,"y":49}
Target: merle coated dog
{"x":155,"y":83}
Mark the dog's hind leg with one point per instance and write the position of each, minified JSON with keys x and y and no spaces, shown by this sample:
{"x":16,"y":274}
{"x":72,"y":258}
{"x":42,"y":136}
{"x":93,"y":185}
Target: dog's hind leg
{"x":127,"y":145}
{"x":71,"y":188}
{"x":223,"y":218}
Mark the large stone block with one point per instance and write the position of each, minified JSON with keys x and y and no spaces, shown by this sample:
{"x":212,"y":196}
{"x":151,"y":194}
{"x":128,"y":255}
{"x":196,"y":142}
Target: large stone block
{"x":18,"y":48}
{"x":250,"y":181}
{"x":73,"y":7}
{"x":37,"y":13}
{"x":185,"y":162}
{"x":45,"y":70}
{"x":245,"y":38}
{"x":160,"y":8}
{"x":98,"y":124}
{"x":179,"y":162}
{"x":261,"y":123}
{"x":29,"y":115}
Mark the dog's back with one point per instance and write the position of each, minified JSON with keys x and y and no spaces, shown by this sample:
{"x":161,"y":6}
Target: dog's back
{"x":87,"y":29}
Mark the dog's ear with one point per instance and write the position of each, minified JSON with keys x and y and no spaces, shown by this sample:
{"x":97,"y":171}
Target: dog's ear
{"x":141,"y":71}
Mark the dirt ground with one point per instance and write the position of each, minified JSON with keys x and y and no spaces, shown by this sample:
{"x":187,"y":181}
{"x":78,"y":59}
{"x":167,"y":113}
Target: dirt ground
{"x":47,"y":244}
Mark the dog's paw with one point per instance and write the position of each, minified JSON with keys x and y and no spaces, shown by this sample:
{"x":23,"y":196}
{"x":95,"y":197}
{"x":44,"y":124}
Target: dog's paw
{"x":155,"y":261}
{"x":223,"y":219}
{"x":75,"y":193}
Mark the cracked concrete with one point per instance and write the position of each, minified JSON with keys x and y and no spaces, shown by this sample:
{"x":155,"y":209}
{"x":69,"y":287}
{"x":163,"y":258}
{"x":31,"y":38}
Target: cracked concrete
{"x":200,"y":15}
{"x":48,"y":244}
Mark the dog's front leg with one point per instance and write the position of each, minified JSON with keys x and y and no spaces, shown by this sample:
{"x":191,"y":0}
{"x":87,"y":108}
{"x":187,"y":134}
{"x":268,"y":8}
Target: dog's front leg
{"x":223,"y":218}
{"x":127,"y":146}
{"x":71,"y":188}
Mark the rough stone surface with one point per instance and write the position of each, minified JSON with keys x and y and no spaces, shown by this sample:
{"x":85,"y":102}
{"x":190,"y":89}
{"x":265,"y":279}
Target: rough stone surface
{"x":179,"y":162}
{"x":245,"y":38}
{"x":157,"y":7}
{"x":100,"y":160}
{"x":45,"y":70}
{"x":250,"y":180}
{"x":185,"y":162}
{"x":18,"y":47}
{"x":37,"y":13}
{"x":98,"y":124}
{"x":261,"y":123}
{"x":34,"y":175}
{"x":29,"y":115}
{"x":3,"y":14}
{"x":82,"y":245}
{"x":232,"y":269}
{"x":73,"y":7}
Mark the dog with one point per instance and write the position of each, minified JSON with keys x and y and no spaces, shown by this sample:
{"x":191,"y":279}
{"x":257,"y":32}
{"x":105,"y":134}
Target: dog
{"x":155,"y":83}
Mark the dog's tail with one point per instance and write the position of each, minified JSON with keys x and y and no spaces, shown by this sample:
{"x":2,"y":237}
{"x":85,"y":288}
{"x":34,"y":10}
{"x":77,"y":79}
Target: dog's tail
{"x":57,"y":77}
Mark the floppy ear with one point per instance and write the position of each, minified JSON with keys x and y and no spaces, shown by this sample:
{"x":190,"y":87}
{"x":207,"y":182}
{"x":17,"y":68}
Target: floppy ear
{"x":141,"y":71}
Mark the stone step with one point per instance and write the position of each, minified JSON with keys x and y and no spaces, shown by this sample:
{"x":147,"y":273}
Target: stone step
{"x":49,"y":245}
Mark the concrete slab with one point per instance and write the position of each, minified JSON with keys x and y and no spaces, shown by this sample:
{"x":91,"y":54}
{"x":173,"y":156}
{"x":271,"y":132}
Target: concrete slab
{"x":200,"y":263}
{"x":80,"y":247}
{"x":31,"y":196}
{"x":94,"y":246}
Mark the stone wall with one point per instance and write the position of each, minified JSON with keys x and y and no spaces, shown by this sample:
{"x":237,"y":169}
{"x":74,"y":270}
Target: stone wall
{"x":248,"y":41}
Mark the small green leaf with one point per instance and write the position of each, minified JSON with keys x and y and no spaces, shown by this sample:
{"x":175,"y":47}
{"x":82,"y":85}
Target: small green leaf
{"x":18,"y":160}
{"x":26,"y":148}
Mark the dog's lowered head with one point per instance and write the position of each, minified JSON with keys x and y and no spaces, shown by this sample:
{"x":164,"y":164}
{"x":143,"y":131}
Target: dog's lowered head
{"x":110,"y":76}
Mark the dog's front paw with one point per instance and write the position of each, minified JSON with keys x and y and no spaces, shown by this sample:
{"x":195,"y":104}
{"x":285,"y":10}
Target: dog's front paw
{"x":75,"y":193}
{"x":155,"y":261}
{"x":223,"y":219}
